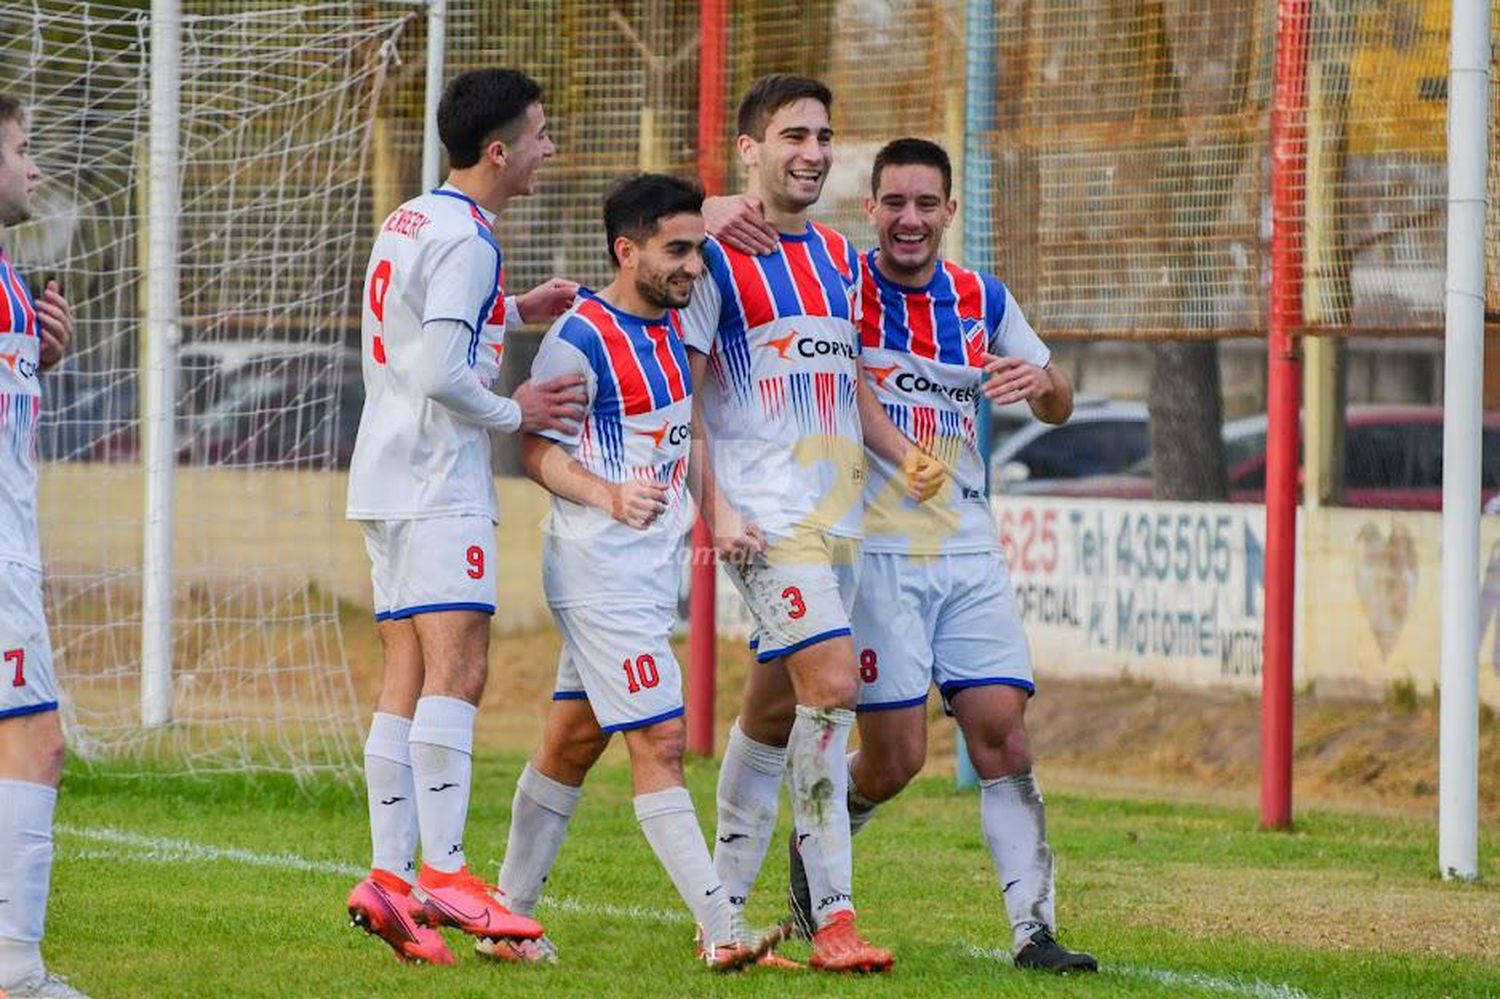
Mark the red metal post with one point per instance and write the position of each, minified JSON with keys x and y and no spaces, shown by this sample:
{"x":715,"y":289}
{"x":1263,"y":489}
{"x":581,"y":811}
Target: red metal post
{"x":1284,"y":368}
{"x":701,"y":650}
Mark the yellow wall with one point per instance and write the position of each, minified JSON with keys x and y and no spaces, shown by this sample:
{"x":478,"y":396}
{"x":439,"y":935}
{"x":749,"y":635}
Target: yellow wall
{"x":1372,"y":609}
{"x":275,"y":524}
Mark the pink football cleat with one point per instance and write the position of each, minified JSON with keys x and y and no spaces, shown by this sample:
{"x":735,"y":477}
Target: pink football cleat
{"x":464,"y":902}
{"x":382,"y":905}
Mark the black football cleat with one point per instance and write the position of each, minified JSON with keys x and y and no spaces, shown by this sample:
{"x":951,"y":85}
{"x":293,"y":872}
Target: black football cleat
{"x":1043,"y":953}
{"x":798,"y":895}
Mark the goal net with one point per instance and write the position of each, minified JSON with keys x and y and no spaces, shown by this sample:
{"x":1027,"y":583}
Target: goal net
{"x":276,"y":107}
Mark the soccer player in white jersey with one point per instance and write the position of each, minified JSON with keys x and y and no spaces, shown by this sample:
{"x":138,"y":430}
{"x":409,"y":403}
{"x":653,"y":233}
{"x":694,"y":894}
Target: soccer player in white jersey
{"x":421,"y":488}
{"x":33,"y":336}
{"x":935,"y":604}
{"x":783,"y":414}
{"x":612,"y":563}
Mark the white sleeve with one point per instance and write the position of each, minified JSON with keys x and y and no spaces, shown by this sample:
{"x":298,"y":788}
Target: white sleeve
{"x":463,"y":278}
{"x":700,"y":320}
{"x":1014,"y":336}
{"x":556,"y":357}
{"x":445,"y":376}
{"x":513,"y":312}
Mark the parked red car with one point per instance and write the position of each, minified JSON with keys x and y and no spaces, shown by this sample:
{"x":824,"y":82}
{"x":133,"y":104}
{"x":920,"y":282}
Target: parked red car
{"x":1393,"y":460}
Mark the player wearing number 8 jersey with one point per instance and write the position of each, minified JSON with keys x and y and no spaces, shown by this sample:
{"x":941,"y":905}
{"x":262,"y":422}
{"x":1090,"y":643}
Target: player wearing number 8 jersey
{"x":784,"y":415}
{"x":421,"y":488}
{"x":935,"y":604}
{"x":612,"y":562}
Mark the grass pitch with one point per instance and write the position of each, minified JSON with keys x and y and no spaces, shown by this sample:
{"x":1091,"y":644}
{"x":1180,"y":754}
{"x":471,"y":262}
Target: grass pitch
{"x":236,"y":886}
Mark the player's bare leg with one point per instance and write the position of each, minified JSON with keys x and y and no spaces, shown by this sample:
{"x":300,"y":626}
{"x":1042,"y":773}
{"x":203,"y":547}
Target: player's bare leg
{"x":381,"y":904}
{"x":892,"y":749}
{"x":455,"y":648}
{"x":993,"y":720}
{"x":826,"y":680}
{"x":547,"y":794}
{"x":31,"y":762}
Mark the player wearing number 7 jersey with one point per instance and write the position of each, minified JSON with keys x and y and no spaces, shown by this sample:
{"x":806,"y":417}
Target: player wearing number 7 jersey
{"x":935,"y":604}
{"x":612,"y":562}
{"x":421,"y":488}
{"x":33,"y":335}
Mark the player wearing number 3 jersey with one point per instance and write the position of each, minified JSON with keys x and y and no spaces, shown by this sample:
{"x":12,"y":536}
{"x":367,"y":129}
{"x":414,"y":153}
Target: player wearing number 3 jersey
{"x":784,"y":416}
{"x":612,"y":562}
{"x":421,"y":488}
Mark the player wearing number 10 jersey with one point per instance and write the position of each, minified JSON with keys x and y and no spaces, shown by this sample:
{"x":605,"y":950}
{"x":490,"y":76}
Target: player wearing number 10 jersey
{"x":935,"y":602}
{"x":420,"y":486}
{"x":613,"y":558}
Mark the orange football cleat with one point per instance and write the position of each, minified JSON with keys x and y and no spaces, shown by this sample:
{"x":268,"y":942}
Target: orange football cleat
{"x":839,"y":947}
{"x":382,"y":906}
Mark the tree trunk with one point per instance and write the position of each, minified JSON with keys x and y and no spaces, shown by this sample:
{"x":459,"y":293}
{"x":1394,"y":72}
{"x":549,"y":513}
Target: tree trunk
{"x":1186,"y":414}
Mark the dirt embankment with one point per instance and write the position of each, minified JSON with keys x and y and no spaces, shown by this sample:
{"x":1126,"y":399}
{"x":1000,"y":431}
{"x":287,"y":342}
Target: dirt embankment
{"x":1104,"y":735}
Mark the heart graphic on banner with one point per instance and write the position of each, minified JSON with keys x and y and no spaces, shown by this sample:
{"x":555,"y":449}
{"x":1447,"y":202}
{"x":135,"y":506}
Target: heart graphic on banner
{"x":1385,"y":575}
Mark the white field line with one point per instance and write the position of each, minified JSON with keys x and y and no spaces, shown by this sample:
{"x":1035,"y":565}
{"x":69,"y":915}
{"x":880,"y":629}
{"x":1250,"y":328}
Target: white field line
{"x":1252,"y":989}
{"x":117,"y":844}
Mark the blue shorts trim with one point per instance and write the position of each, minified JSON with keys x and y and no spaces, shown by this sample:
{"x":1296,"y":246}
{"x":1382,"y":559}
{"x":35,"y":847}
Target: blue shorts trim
{"x":676,"y":712}
{"x":954,"y":686}
{"x":29,"y":709}
{"x":569,"y":695}
{"x":765,"y":657}
{"x":406,"y":612}
{"x":914,"y":702}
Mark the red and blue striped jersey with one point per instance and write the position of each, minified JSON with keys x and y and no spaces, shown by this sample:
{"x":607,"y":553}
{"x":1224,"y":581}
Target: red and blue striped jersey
{"x":924,"y":354}
{"x":637,"y":424}
{"x":20,"y":411}
{"x":779,"y":399}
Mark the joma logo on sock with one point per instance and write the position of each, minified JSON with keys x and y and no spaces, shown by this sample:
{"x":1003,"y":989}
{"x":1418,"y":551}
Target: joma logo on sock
{"x":824,"y":903}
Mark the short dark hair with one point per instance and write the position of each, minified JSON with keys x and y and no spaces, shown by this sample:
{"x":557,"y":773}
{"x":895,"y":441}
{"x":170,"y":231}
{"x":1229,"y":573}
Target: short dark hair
{"x":910,"y":152}
{"x":770,"y":94}
{"x":635,"y":208}
{"x":479,"y":104}
{"x":12,"y":110}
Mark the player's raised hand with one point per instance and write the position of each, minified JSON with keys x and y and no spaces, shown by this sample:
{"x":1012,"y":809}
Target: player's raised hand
{"x":556,"y":404}
{"x":740,"y":221}
{"x":1010,"y":379}
{"x":637,"y":503}
{"x":56,"y":324}
{"x":924,"y":475}
{"x":547,"y":300}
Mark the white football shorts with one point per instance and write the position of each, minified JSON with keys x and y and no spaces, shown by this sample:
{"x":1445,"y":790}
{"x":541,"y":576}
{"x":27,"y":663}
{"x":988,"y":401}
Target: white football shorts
{"x":27,"y":682}
{"x":423,"y":566}
{"x":800,"y":592}
{"x":619,"y":660}
{"x":948,"y":620}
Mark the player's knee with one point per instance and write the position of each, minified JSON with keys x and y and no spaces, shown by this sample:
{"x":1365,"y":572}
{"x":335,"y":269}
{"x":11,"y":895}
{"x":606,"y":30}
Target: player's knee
{"x":32,"y":748}
{"x":662,"y":744}
{"x":580,"y":750}
{"x":890,"y":771}
{"x":1000,"y":747}
{"x":831,"y":689}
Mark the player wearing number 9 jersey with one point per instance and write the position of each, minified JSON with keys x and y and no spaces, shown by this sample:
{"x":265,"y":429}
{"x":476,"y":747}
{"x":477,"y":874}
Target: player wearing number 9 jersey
{"x":421,"y":488}
{"x":612,"y":562}
{"x":935,"y":603}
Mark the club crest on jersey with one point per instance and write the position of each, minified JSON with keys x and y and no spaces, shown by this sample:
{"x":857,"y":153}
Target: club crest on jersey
{"x":973,"y":330}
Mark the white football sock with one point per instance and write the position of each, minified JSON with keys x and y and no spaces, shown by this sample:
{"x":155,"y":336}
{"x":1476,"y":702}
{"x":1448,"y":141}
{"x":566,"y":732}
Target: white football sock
{"x":671,"y":827}
{"x":25,"y":876}
{"x":748,"y":796}
{"x":442,"y":738}
{"x":539,"y":815}
{"x":391,"y":795}
{"x":1015,"y":828}
{"x":820,"y":803}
